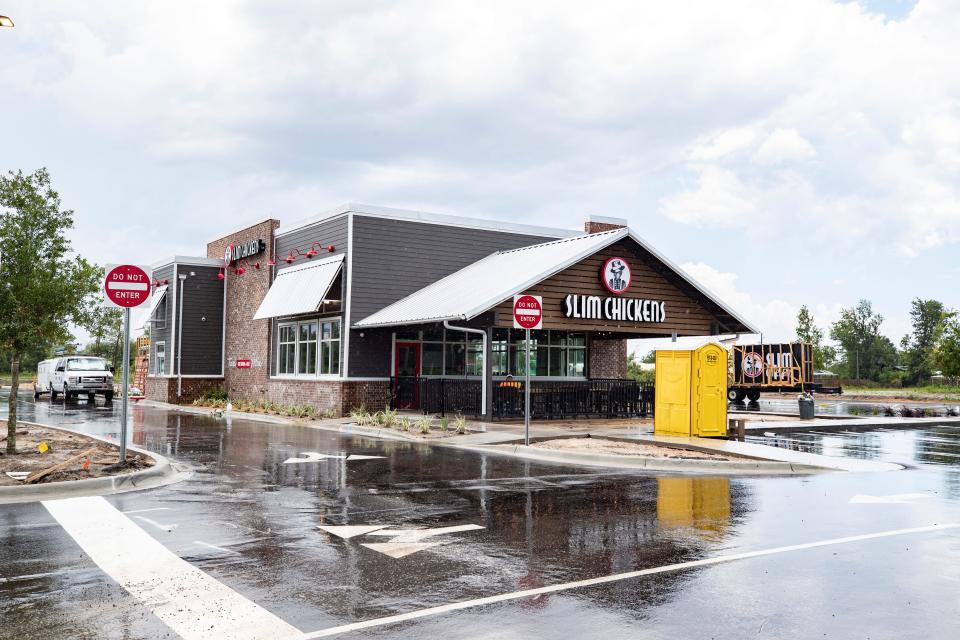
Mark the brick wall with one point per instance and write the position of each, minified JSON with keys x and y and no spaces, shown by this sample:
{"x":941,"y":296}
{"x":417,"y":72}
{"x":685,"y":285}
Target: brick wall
{"x":608,"y":359}
{"x":165,"y":389}
{"x":323,"y":395}
{"x":246,"y":338}
{"x":596,"y":227}
{"x":372,"y":394}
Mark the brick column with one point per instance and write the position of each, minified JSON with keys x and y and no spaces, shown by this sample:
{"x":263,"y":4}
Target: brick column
{"x":608,"y":359}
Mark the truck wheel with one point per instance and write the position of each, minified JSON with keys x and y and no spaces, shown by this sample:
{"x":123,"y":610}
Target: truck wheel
{"x":66,"y":394}
{"x":91,"y":398}
{"x":53,"y":394}
{"x":36,"y":394}
{"x":109,"y":396}
{"x":753,"y":395}
{"x":732,"y":395}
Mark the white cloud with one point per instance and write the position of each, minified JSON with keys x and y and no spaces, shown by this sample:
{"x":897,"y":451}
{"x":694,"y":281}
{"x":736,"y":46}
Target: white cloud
{"x":784,"y":145}
{"x":775,"y":318}
{"x":720,"y":199}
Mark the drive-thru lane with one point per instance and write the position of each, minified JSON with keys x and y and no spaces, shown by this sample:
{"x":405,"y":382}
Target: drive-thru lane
{"x":267,"y":531}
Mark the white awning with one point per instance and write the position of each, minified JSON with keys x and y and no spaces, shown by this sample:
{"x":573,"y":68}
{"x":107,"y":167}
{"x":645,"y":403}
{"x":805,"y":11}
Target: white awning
{"x":158,"y":295}
{"x":299,"y":289}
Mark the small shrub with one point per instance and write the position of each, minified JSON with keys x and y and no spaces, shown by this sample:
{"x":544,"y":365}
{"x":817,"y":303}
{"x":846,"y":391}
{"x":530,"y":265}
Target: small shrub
{"x":444,"y":423}
{"x":854,"y":411}
{"x":889,"y":411}
{"x":217,"y":393}
{"x":330,"y":413}
{"x":388,"y":417}
{"x":423,"y":425}
{"x":460,"y":424}
{"x":404,"y":423}
{"x":907,"y":412}
{"x":953,"y":412}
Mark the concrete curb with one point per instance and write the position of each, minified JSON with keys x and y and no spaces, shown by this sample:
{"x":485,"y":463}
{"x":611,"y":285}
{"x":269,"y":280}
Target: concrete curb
{"x":861,"y":424}
{"x":689,"y":466}
{"x":163,"y":472}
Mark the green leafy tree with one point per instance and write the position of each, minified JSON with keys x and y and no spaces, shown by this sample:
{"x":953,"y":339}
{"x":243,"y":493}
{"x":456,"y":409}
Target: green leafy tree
{"x":824,"y":356}
{"x":43,"y":287}
{"x":947,"y":353}
{"x":650,"y":358}
{"x":636,"y":372}
{"x":927,"y":318}
{"x":865,"y":353}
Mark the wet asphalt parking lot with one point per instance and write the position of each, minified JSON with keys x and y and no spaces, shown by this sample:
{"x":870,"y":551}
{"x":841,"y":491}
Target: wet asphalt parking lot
{"x":249,"y":524}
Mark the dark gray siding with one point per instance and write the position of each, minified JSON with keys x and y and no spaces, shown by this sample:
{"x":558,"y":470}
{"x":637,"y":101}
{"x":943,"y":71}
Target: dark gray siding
{"x":202,"y":329}
{"x":162,"y":326}
{"x":370,"y":353}
{"x":325,"y":233}
{"x":393,"y":258}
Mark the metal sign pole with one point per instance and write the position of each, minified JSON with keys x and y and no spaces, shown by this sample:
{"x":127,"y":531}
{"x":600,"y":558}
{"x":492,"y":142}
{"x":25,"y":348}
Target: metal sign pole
{"x":124,"y":386}
{"x":526,"y":397}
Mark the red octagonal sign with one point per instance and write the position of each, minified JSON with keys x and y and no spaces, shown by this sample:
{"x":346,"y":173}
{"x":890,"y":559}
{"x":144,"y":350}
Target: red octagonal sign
{"x":527,"y":312}
{"x":127,"y":286}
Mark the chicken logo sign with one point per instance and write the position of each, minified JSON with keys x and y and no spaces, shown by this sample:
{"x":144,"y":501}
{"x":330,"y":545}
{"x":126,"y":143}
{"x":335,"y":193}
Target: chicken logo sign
{"x":615,"y":275}
{"x":752,"y":364}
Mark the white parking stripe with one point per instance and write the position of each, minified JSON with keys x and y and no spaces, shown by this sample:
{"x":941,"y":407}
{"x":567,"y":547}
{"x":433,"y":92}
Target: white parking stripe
{"x":187,"y":600}
{"x":516,"y":595}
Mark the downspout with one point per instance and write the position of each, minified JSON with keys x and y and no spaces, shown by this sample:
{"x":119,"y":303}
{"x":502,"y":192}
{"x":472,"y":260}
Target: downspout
{"x":180,"y":289}
{"x":483,"y":379}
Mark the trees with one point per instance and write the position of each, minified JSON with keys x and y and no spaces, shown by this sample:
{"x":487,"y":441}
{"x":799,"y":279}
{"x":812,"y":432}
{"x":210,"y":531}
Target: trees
{"x":808,"y":331}
{"x":927,"y":318}
{"x":865,"y":353}
{"x":42,"y":286}
{"x":947,"y":354}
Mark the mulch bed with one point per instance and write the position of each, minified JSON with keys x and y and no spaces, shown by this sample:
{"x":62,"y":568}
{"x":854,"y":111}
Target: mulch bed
{"x":62,"y":446}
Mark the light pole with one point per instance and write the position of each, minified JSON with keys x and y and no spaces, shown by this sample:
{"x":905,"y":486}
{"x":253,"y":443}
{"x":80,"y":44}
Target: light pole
{"x":5,"y":21}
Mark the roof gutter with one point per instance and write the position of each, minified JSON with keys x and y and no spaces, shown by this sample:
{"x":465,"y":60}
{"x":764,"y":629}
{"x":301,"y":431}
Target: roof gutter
{"x":483,"y":379}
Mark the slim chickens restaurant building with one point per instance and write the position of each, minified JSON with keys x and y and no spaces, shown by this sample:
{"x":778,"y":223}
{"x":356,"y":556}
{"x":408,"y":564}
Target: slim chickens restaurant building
{"x":369,"y":306}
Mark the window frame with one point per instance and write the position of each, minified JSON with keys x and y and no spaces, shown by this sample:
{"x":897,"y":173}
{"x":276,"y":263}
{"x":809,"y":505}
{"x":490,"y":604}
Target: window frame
{"x":156,"y":356}
{"x":333,"y":348}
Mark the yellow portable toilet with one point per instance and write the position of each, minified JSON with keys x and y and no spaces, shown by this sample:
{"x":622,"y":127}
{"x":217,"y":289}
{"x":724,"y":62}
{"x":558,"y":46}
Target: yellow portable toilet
{"x":691,"y":392}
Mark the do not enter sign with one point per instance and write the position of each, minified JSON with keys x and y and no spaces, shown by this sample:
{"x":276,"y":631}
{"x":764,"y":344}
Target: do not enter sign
{"x":127,"y":286}
{"x":527,"y":312}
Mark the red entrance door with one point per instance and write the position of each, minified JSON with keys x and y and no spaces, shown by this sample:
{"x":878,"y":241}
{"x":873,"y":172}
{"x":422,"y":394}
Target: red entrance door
{"x":407,"y":370}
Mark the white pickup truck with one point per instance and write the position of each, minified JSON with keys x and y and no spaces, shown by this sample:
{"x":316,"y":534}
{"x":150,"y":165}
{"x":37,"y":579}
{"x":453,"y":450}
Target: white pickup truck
{"x":74,"y":376}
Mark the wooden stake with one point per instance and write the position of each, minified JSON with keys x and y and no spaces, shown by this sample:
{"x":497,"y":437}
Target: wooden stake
{"x":39,"y":475}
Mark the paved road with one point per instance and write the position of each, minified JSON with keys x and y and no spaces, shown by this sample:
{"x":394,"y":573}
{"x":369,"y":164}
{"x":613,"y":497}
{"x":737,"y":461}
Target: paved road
{"x":240,"y":541}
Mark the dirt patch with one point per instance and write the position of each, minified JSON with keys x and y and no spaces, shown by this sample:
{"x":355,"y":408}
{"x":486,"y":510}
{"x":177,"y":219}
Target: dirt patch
{"x":601,"y":445}
{"x":63,"y":445}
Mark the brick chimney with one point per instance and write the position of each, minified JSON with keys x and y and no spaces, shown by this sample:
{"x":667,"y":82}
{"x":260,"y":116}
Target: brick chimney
{"x":596,"y":224}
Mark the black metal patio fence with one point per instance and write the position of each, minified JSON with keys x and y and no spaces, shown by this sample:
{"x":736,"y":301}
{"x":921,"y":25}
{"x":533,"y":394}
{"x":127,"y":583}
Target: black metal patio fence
{"x":564,"y":399}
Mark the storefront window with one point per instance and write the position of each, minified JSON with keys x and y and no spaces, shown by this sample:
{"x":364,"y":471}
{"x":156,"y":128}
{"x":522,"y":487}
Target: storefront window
{"x":287,"y":350}
{"x":161,"y":351}
{"x":431,"y":359}
{"x":553,"y":353}
{"x":455,"y":359}
{"x":330,"y":347}
{"x":308,"y":348}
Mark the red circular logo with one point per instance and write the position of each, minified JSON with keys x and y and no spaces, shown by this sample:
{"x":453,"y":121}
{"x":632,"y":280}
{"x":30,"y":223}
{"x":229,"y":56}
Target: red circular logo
{"x":752,"y":364}
{"x":127,"y":285}
{"x":527,"y":312}
{"x":615,"y":275}
{"x":228,"y":255}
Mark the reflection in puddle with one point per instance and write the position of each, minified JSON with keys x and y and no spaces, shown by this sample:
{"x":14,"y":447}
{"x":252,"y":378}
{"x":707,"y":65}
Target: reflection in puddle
{"x":700,"y":504}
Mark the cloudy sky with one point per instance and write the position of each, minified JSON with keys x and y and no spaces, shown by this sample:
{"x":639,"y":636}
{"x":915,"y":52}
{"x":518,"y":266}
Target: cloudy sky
{"x":785,"y":153}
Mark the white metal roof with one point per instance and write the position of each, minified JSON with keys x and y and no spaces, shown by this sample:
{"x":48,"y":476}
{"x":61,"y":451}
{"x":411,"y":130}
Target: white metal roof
{"x":158,"y":295}
{"x":299,"y":289}
{"x":482,"y":285}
